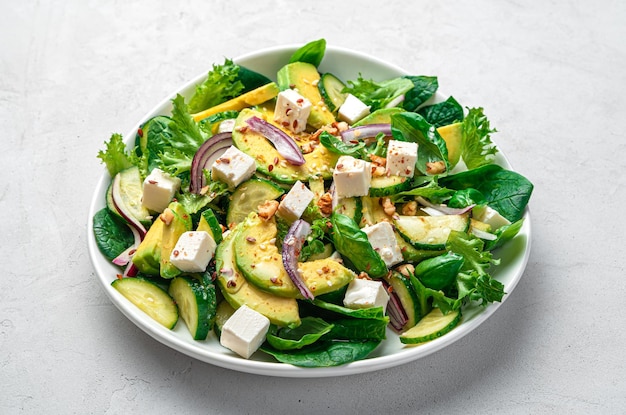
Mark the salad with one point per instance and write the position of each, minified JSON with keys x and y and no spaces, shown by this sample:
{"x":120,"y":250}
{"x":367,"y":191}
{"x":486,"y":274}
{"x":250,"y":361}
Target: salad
{"x":309,"y":217}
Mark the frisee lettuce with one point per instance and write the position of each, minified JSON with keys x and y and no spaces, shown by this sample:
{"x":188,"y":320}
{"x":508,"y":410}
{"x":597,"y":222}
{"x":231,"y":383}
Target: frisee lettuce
{"x":116,"y":156}
{"x":477,"y":149}
{"x":222,"y":83}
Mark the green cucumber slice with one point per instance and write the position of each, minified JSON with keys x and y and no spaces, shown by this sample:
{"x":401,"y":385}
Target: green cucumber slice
{"x":434,"y":324}
{"x":150,"y":298}
{"x":331,"y":89}
{"x":388,"y":185}
{"x":401,"y":286}
{"x":209,"y":223}
{"x":131,"y":191}
{"x":196,"y":304}
{"x":430,"y":232}
{"x":248,"y":196}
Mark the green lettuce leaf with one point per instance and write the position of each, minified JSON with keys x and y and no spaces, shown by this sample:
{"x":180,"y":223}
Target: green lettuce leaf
{"x":116,"y":157}
{"x":378,"y":94}
{"x":222,"y":83}
{"x":477,"y":149}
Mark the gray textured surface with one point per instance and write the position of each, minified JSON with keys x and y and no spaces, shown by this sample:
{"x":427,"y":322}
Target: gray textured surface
{"x":551,"y":78}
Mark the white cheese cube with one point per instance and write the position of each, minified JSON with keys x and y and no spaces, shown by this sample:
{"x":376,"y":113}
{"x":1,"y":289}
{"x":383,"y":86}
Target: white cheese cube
{"x":362,"y":293}
{"x":193,"y":251}
{"x":233,"y":167}
{"x":295,"y":202}
{"x":244,"y":331}
{"x":401,"y":158}
{"x":352,"y":177}
{"x":490,"y":216}
{"x":352,"y":109}
{"x":159,"y":189}
{"x":292,"y":110}
{"x":226,"y":126}
{"x":383,"y":240}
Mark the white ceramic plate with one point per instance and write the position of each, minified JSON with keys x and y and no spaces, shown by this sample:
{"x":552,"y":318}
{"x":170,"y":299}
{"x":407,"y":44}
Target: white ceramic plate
{"x":347,"y":65}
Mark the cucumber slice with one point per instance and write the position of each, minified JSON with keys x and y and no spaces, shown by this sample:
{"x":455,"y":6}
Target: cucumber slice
{"x":209,"y":223}
{"x":331,"y":89}
{"x":434,"y":324}
{"x":248,"y":196}
{"x":131,"y":191}
{"x":351,"y":207}
{"x":388,"y":185}
{"x":222,"y":314}
{"x":430,"y":232}
{"x":403,"y":289}
{"x":196,"y":304}
{"x":150,"y":298}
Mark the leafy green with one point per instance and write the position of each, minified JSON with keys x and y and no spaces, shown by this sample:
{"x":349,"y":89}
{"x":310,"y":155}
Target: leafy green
{"x":361,"y":313}
{"x":378,"y":94}
{"x":430,"y":190}
{"x":504,"y":234}
{"x":193,"y":202}
{"x":410,"y":126}
{"x":466,"y":197}
{"x":112,"y":235}
{"x":337,"y":146}
{"x":313,"y":53}
{"x":351,"y":242}
{"x":222,"y":83}
{"x":443,"y":113}
{"x":308,"y":332}
{"x":185,"y":140}
{"x":116,"y":157}
{"x":359,"y":329}
{"x":155,"y":134}
{"x":314,"y":242}
{"x":506,"y":191}
{"x":439,"y":272}
{"x":325,"y":354}
{"x":477,"y":149}
{"x":423,"y":88}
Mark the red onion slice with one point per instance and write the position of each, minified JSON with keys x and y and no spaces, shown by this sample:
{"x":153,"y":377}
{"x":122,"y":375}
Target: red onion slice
{"x":356,"y":134}
{"x":122,"y":209}
{"x":396,"y":312}
{"x":296,"y":235}
{"x":443,"y":208}
{"x":284,"y":144}
{"x":125,"y":257}
{"x":204,"y":158}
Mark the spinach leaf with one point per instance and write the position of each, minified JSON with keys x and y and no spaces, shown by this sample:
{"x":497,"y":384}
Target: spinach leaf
{"x":371,"y":313}
{"x":351,"y":242}
{"x":477,"y":149}
{"x":359,"y":329}
{"x":504,"y":234}
{"x":443,"y":113}
{"x":432,"y":149}
{"x":506,"y":191}
{"x":423,"y":88}
{"x":331,"y":353}
{"x":430,"y":190}
{"x":313,"y":53}
{"x":112,"y":235}
{"x":337,"y":146}
{"x":308,"y":332}
{"x":439,"y":272}
{"x":466,"y":197}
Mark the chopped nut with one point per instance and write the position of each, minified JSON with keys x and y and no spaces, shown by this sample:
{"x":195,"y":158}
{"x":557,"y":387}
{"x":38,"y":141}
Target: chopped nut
{"x":167,"y":216}
{"x":377,"y":160}
{"x":268,"y":209}
{"x":325,"y":203}
{"x":406,"y":269}
{"x":410,"y":208}
{"x":388,"y":207}
{"x":435,"y":167}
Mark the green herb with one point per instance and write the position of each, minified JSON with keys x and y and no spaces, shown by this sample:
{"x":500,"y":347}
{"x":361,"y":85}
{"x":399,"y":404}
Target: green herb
{"x":222,"y":83}
{"x":313,"y":53}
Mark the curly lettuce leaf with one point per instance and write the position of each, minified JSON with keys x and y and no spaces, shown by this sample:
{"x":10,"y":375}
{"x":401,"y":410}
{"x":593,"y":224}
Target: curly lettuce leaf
{"x":477,"y":149}
{"x":116,"y":156}
{"x":378,"y":94}
{"x":222,"y":83}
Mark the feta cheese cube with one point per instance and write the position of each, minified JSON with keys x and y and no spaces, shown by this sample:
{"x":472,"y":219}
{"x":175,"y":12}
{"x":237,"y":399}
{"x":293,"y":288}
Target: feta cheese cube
{"x":193,"y":251}
{"x":244,"y":331}
{"x":352,"y":177}
{"x":159,"y":189}
{"x":352,"y":109}
{"x":362,"y":293}
{"x":490,"y":216}
{"x":233,"y":167}
{"x":401,"y":158}
{"x":383,"y":240}
{"x":295,"y":202}
{"x":292,"y":110}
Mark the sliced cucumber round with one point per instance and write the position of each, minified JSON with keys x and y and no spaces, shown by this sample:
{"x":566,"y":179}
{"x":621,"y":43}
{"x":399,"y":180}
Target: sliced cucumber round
{"x":209,"y":223}
{"x":331,"y":89}
{"x":150,"y":298}
{"x":351,"y":207}
{"x":430,"y":232}
{"x":434,"y":324}
{"x":196,"y":304}
{"x":248,"y":196}
{"x":403,"y":289}
{"x":131,"y":191}
{"x":388,"y":185}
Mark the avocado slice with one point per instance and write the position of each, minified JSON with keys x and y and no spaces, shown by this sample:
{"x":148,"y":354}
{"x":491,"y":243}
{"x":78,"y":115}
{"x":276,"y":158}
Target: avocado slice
{"x":452,"y":134}
{"x":237,"y":291}
{"x":318,"y":163}
{"x":173,"y":227}
{"x":259,"y":261}
{"x":380,"y":116}
{"x":304,"y":77}
{"x":147,"y":257}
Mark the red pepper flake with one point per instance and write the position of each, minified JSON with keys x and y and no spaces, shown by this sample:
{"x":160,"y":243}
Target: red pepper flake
{"x":152,"y":181}
{"x":300,"y":101}
{"x":231,"y":284}
{"x":250,"y":239}
{"x":270,"y":167}
{"x":140,"y":132}
{"x":285,"y":123}
{"x":275,"y":160}
{"x":119,"y":276}
{"x":175,"y":253}
{"x":295,"y":124}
